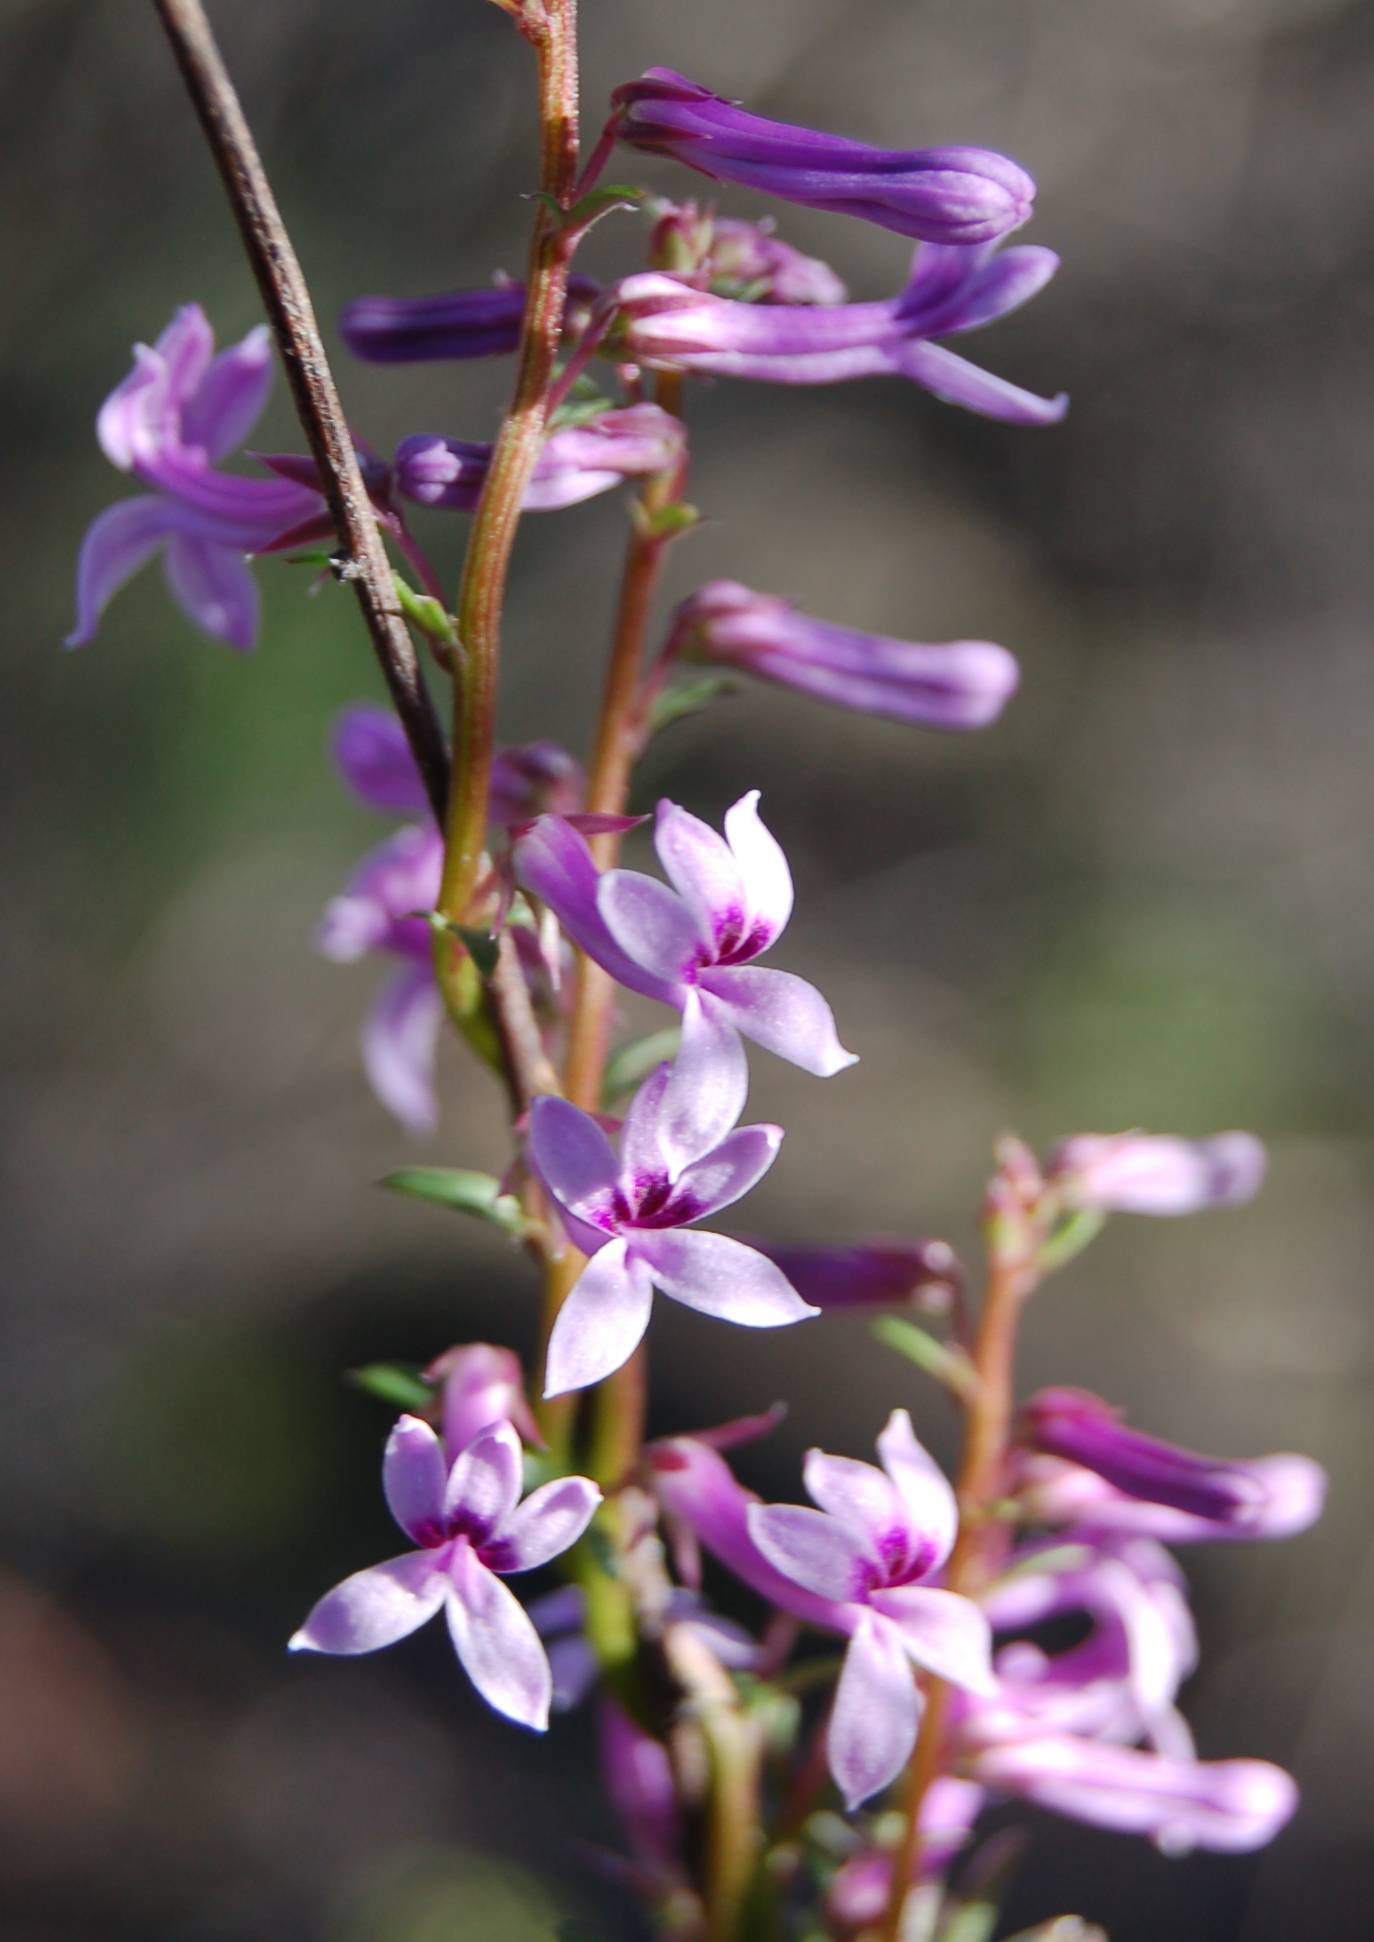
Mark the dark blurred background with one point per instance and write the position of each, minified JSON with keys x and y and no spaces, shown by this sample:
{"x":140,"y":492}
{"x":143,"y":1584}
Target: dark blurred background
{"x":1143,"y":900}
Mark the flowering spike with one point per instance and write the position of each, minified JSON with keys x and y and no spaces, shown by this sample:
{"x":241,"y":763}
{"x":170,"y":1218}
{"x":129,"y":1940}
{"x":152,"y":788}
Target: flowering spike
{"x":946,"y":195}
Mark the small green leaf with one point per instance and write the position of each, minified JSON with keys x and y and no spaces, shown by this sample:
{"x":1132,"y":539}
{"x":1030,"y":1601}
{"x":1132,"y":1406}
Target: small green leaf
{"x":633,"y":1063}
{"x":461,"y":1191}
{"x":583,"y":406}
{"x":316,"y":559}
{"x":664,"y":522}
{"x":1072,"y":1235}
{"x":398,"y":1383}
{"x":678,"y":704}
{"x":481,"y":947}
{"x":949,"y":1366}
{"x":427,"y":615}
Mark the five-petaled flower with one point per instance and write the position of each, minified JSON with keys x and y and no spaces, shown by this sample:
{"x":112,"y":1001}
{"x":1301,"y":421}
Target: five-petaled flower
{"x":472,"y":1530}
{"x":679,"y":1161}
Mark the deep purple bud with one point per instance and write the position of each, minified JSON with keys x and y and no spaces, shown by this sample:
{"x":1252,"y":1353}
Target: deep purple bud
{"x":641,"y":1787}
{"x":738,"y":259}
{"x":945,"y":195}
{"x":531,"y":780}
{"x":575,"y":464}
{"x":952,"y":685}
{"x":457,"y":324}
{"x":1140,"y":1173}
{"x":877,"y":1274}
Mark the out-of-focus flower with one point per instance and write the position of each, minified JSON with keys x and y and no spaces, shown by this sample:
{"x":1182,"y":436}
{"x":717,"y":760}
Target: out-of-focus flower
{"x":456,"y":324}
{"x":871,"y":1274}
{"x":679,"y":1162}
{"x":737,"y":259}
{"x":1290,"y":1492}
{"x":178,"y":413}
{"x":1144,"y":1173}
{"x":472,"y":1530}
{"x":952,"y":685}
{"x":662,"y":322}
{"x":945,"y":195}
{"x":693,"y":946}
{"x":576,"y":463}
{"x":559,"y":1619}
{"x":858,"y":1896}
{"x":877,"y":1536}
{"x":482,"y":1385}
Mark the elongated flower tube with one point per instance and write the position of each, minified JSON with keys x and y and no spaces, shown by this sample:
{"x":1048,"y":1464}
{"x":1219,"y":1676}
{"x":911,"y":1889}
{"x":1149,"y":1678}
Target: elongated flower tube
{"x":925,"y":1275}
{"x":730,"y":901}
{"x":1234,"y":1495}
{"x":180,"y":411}
{"x":1288,"y":1496}
{"x":575,"y":464}
{"x":680,"y":1161}
{"x":875,"y":1539}
{"x":472,"y":1530}
{"x":956,"y":685}
{"x":1143,"y":1173}
{"x":455,"y":324}
{"x":737,"y":259}
{"x":663,"y":323}
{"x":943,"y":195}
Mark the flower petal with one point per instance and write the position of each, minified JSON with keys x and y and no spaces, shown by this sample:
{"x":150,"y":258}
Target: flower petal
{"x":763,"y":871}
{"x":601,"y":1323}
{"x":497,"y":1645}
{"x":704,"y":871}
{"x":955,"y":381}
{"x":707,"y":1085}
{"x":781,"y":1012}
{"x":214,"y":587}
{"x":923,"y":1486}
{"x":718,"y":1276}
{"x":725,"y":1175}
{"x":374,"y":759}
{"x":413,"y":1473}
{"x":815,"y":1551}
{"x":375,"y":1607}
{"x":229,"y":399}
{"x":118,"y":542}
{"x":574,"y":1159}
{"x":484,"y":1483}
{"x":877,"y":1707}
{"x":400,"y":1035}
{"x":550,"y":1520}
{"x":649,"y":923}
{"x":864,"y":1499}
{"x":553,"y":863}
{"x":943,"y":1632}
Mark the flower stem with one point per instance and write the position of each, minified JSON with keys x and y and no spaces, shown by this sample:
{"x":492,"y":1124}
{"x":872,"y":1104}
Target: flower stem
{"x":988,"y":1419}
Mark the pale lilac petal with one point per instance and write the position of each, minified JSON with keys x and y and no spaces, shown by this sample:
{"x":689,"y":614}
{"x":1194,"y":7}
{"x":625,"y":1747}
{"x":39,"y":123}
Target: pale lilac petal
{"x":706,"y":1087}
{"x":186,"y":347}
{"x":375,"y":1607}
{"x":484,"y":1483}
{"x":1141,"y":1173}
{"x":214,"y":587}
{"x":413,"y":1474}
{"x":550,"y":1520}
{"x":780,"y":1012}
{"x":574,"y":1160}
{"x":877,"y":1709}
{"x":763,"y":870}
{"x":374,"y":759}
{"x":118,"y":542}
{"x":865,"y":1500}
{"x":725,"y":1175}
{"x":482,"y":1385}
{"x":946,"y":1634}
{"x":400,"y":1037}
{"x":642,"y":1154}
{"x":649,"y":924}
{"x":601,"y":1323}
{"x":957,"y":382}
{"x":924,"y":1487}
{"x":553,"y":863}
{"x":703,"y":870}
{"x":497,"y":1645}
{"x":815,"y":1551}
{"x":718,"y":1276}
{"x":229,"y":399}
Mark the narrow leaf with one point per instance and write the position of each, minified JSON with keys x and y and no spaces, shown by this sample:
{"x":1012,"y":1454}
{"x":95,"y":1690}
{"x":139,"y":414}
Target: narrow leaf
{"x":949,"y":1366}
{"x":397,"y":1383}
{"x":462,"y":1191}
{"x":678,"y":704}
{"x":633,"y":1063}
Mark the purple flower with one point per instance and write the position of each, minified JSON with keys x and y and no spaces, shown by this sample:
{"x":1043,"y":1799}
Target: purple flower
{"x":1285,"y":1496}
{"x":858,"y":1895}
{"x":1142,"y":1173}
{"x":945,"y":195}
{"x":873,"y":1274}
{"x":737,"y":259}
{"x":575,"y":463}
{"x":679,"y":1162}
{"x":560,"y":1617}
{"x":875,"y":1540}
{"x":693,"y":946}
{"x":661,"y":321}
{"x":457,"y":324}
{"x":956,"y":685}
{"x":377,"y":912}
{"x":1244,"y":1499}
{"x":179,"y":411}
{"x":472,"y":1531}
{"x":482,"y":1385}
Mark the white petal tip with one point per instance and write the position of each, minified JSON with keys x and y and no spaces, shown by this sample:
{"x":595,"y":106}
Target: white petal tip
{"x":298,"y":1642}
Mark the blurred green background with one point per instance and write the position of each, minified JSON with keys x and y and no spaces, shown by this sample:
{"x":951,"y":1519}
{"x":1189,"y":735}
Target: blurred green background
{"x":1144,"y":899}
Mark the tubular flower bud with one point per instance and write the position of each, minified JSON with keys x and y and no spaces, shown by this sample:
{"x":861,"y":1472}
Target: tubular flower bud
{"x":924,"y":1275}
{"x":942,"y":195}
{"x":955,"y":685}
{"x":738,"y":259}
{"x":456,"y":324}
{"x":1142,"y":1173}
{"x":575,"y":464}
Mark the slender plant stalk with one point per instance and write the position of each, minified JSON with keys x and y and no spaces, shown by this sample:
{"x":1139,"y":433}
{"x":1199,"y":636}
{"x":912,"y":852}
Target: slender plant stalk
{"x":292,"y":317}
{"x":551,"y":28}
{"x":988,"y":1419}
